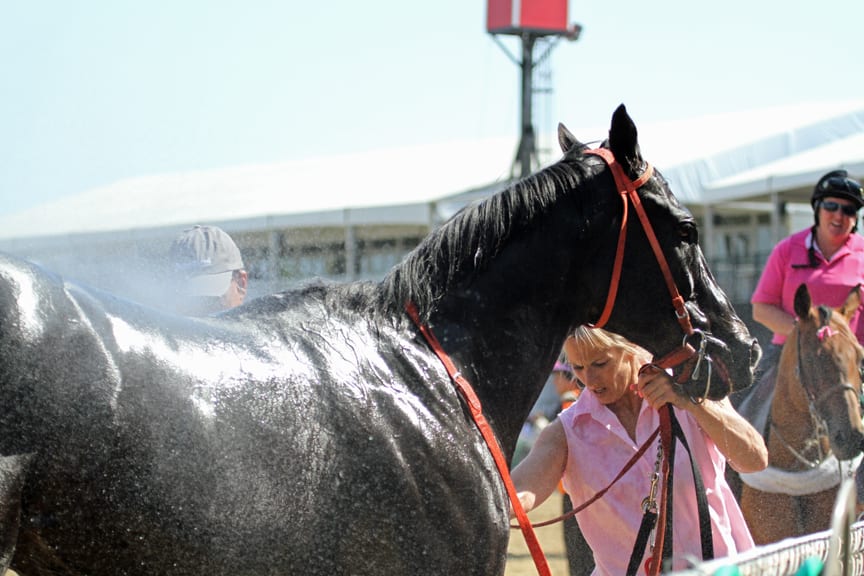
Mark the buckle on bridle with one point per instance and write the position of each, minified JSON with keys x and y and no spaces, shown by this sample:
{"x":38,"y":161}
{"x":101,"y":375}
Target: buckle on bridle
{"x":702,"y":357}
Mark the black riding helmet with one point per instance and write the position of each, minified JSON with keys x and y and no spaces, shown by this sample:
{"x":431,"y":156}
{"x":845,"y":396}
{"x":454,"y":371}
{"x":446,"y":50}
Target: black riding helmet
{"x":837,"y":184}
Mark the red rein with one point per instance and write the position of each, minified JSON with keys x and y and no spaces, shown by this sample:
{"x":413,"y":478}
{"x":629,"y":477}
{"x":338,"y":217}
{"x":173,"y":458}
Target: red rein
{"x":482,"y":424}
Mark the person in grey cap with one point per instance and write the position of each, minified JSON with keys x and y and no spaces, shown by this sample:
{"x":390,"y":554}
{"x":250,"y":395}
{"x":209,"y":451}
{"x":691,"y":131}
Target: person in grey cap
{"x":209,"y":262}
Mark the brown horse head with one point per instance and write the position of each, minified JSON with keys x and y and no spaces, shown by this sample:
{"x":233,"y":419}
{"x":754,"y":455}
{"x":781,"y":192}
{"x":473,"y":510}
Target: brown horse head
{"x":821,"y":364}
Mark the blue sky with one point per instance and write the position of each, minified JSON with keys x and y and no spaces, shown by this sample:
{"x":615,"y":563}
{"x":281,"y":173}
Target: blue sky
{"x":98,"y":90}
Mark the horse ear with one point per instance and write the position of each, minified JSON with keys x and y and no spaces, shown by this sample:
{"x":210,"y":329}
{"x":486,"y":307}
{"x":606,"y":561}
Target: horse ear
{"x":853,"y":301}
{"x":803,"y":302}
{"x":623,"y":141}
{"x":566,"y":139}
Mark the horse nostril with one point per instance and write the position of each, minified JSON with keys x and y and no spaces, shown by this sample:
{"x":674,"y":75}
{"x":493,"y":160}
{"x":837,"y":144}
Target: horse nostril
{"x":755,"y":353}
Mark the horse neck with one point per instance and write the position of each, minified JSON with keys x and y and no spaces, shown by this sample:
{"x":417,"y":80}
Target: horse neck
{"x":504,"y":333}
{"x":491,"y":282}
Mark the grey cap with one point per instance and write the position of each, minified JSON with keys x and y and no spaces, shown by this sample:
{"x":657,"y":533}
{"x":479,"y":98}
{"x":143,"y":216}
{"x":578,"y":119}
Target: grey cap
{"x":207,"y":257}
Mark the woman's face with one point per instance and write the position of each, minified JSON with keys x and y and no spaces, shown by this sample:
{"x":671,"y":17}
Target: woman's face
{"x":836,"y":224}
{"x":607,"y":373}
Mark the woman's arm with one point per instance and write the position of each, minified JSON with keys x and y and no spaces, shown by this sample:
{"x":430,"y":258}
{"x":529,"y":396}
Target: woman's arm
{"x":739,"y":442}
{"x":774,"y":318}
{"x":537,"y":476}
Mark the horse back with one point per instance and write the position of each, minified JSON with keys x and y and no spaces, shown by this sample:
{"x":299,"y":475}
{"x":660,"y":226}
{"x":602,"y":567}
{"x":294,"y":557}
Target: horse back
{"x":288,"y":425}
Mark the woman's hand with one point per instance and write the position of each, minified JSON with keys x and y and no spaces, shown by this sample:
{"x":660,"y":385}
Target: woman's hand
{"x":656,"y":387}
{"x":742,"y":445}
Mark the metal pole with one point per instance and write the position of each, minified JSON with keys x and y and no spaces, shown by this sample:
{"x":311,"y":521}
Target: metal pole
{"x":527,"y":146}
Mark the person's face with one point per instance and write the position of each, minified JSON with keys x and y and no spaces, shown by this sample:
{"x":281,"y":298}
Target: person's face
{"x":236,"y":291}
{"x":835,"y":221}
{"x":606,"y":373}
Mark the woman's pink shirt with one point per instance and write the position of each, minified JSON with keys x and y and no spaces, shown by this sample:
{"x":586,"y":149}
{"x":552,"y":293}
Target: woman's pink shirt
{"x":598,"y":447}
{"x":829,"y":283}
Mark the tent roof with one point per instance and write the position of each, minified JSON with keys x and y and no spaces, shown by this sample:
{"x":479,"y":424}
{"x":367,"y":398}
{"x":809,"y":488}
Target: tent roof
{"x":712,"y":159}
{"x":416,"y":174}
{"x":795,"y":174}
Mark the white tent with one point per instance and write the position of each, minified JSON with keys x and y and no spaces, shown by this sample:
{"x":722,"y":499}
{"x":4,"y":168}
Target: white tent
{"x":708,"y":160}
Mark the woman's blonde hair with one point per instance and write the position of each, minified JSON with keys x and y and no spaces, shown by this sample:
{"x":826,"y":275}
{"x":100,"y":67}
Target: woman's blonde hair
{"x":585,"y":339}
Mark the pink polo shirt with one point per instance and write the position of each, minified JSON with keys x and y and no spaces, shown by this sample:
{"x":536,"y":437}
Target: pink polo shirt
{"x":829,"y":283}
{"x":597,"y":450}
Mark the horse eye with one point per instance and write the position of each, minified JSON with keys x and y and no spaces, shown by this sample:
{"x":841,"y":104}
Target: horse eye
{"x":689,"y":233}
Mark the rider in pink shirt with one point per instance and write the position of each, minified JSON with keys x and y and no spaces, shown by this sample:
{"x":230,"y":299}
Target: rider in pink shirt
{"x":591,"y":441}
{"x":829,"y":257}
{"x":829,"y":281}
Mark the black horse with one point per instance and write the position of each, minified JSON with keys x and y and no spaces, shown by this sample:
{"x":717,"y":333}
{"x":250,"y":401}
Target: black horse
{"x":313,"y":431}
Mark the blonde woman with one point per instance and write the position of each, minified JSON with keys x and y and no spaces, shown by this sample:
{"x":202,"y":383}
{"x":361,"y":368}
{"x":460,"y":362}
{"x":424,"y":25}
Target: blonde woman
{"x":590,"y":443}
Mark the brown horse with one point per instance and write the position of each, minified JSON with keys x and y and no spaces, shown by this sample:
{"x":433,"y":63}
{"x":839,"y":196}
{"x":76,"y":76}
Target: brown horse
{"x":815,"y":433}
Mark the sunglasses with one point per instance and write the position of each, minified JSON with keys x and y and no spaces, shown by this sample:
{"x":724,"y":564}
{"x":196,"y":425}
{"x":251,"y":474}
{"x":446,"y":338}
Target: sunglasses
{"x":832,"y":206}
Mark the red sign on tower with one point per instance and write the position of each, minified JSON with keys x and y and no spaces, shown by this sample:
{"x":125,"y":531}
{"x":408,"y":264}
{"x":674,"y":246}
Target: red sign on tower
{"x":539,"y":17}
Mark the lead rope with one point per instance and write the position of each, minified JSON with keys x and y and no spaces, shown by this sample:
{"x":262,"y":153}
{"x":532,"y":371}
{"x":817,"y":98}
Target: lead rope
{"x":648,"y":528}
{"x":467,"y":392}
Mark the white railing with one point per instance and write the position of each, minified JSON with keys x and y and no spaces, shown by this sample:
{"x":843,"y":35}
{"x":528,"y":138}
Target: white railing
{"x":843,"y":544}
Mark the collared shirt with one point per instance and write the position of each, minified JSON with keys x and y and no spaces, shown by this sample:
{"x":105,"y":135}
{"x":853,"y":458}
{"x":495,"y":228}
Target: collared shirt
{"x":598,"y":448}
{"x":829,"y":283}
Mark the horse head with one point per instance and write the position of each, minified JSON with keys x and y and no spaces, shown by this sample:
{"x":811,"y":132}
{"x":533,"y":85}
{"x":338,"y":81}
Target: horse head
{"x":643,"y":309}
{"x":827,"y":360}
{"x":505,"y":280}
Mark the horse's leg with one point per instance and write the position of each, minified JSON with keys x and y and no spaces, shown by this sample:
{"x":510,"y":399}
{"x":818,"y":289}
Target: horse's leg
{"x":12,"y":472}
{"x":770,"y":517}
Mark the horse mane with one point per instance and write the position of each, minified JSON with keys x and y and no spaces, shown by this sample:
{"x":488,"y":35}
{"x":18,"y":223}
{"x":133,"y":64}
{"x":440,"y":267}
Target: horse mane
{"x":467,"y":242}
{"x":457,"y":250}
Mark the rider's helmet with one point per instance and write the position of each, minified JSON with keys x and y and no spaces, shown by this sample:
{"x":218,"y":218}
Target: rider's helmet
{"x":838,"y":184}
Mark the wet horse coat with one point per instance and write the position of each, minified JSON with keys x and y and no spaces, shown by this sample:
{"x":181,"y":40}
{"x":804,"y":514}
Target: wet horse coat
{"x":313,"y":431}
{"x":814,"y":422}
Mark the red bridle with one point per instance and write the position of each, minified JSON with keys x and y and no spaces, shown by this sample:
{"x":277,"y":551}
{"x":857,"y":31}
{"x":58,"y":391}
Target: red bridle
{"x":628,"y":190}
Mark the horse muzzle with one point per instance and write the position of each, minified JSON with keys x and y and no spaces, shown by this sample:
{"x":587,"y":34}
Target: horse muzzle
{"x":712,"y":370}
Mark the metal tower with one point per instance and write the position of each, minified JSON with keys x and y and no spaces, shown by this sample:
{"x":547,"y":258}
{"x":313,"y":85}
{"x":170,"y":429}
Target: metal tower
{"x":530,"y":21}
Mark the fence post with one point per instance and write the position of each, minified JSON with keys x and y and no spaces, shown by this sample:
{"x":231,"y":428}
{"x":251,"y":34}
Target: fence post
{"x":839,"y":559}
